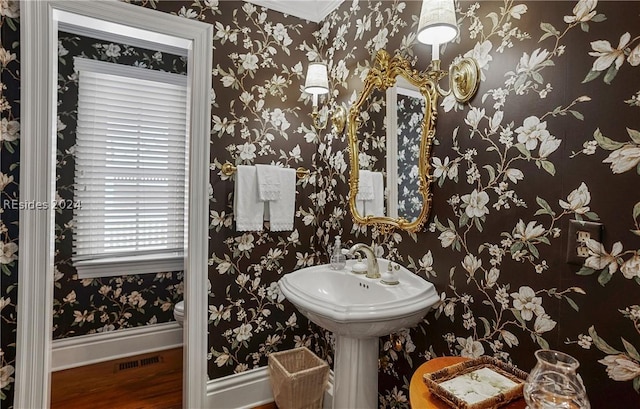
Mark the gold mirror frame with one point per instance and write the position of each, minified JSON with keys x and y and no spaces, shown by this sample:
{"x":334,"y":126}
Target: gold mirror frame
{"x":464,"y":79}
{"x":383,"y":76}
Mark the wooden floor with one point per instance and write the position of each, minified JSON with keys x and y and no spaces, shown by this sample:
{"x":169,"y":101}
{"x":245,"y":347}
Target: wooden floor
{"x":150,"y":381}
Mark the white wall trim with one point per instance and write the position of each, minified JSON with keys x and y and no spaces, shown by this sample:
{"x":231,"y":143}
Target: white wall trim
{"x":324,"y":8}
{"x":250,"y":389}
{"x":91,"y":30}
{"x":200,"y":60}
{"x":312,"y":10}
{"x":37,"y":159}
{"x":105,"y":346}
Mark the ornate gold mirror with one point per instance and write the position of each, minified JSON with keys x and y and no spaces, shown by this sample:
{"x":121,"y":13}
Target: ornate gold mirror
{"x":391,"y":132}
{"x":390,"y":138}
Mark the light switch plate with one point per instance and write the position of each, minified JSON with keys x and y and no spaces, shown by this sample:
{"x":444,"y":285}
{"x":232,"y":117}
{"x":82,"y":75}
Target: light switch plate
{"x":579,"y":233}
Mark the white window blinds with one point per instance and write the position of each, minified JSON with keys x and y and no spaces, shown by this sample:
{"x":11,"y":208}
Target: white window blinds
{"x":130,"y":174}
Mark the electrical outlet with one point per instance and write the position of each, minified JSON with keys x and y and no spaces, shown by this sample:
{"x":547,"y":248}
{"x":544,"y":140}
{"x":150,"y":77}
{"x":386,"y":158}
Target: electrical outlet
{"x":582,"y":251}
{"x":583,"y":236}
{"x":579,"y":233}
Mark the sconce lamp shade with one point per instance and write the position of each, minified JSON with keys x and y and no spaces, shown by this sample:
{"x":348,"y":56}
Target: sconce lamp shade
{"x":317,"y":81}
{"x":438,"y":23}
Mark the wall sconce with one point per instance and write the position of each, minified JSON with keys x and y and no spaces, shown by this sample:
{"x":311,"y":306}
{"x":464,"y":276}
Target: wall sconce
{"x":317,"y":83}
{"x":438,"y":25}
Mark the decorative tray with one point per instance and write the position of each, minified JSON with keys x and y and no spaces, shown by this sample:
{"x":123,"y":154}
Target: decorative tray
{"x":481,"y":383}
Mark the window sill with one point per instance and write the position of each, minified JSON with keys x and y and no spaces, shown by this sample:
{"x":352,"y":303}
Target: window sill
{"x":121,"y":266}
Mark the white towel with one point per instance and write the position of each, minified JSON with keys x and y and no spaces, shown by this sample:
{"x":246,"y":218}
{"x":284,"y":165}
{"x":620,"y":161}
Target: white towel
{"x":375,"y":206}
{"x":365,"y":185}
{"x":268,"y":182}
{"x":281,"y":212}
{"x":247,"y":207}
{"x":360,"y":207}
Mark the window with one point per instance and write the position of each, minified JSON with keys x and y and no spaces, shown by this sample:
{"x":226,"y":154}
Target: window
{"x":130,"y":174}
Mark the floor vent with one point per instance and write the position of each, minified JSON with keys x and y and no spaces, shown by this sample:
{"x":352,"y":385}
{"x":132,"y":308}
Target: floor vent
{"x":139,"y":363}
{"x":128,"y":365}
{"x":150,"y":360}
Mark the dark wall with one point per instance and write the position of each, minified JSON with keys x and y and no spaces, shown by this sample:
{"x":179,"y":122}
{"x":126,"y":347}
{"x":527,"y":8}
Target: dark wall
{"x":259,"y":115}
{"x":514,"y":166}
{"x":478,"y":312}
{"x":9,"y":180}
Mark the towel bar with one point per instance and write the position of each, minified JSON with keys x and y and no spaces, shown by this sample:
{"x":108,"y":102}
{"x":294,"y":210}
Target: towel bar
{"x":229,"y":169}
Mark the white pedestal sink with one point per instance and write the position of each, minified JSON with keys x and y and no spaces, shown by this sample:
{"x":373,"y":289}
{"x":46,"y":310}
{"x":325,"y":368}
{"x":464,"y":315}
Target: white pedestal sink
{"x":358,"y":310}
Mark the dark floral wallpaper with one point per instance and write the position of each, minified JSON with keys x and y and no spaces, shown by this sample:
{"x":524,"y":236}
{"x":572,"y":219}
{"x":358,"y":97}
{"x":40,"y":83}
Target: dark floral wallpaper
{"x":9,"y":179}
{"x":372,"y":133}
{"x":103,"y":304}
{"x":259,"y":115}
{"x":552,"y":135}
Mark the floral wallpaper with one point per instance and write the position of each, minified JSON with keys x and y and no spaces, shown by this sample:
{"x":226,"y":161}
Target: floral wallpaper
{"x":104,"y":304}
{"x":525,"y":156}
{"x":372,"y":133}
{"x":552,"y":135}
{"x":9,"y":179}
{"x":259,"y":115}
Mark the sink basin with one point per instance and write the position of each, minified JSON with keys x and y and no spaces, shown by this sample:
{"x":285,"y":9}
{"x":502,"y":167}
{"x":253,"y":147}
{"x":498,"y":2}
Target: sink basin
{"x":349,"y":304}
{"x":357,"y":310}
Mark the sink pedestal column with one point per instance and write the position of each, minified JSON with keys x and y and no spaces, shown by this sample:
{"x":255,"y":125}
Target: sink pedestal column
{"x":356,"y":373}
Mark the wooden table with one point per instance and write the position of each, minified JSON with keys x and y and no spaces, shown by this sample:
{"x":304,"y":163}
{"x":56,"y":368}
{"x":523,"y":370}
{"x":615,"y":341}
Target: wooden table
{"x":421,"y":398}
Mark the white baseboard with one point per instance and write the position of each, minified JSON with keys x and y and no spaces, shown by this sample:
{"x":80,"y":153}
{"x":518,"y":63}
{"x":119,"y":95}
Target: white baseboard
{"x":105,"y":346}
{"x":249,"y":389}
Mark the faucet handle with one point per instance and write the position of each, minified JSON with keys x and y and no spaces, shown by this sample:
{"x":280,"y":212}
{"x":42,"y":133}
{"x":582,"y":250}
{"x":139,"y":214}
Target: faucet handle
{"x":347,"y":254}
{"x":360,"y":267}
{"x":389,"y":277}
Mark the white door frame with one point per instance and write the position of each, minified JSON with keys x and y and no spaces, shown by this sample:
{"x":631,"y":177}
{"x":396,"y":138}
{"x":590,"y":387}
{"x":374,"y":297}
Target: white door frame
{"x":38,"y":44}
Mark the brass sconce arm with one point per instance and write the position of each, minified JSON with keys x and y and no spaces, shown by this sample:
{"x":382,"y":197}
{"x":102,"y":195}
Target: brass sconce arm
{"x":464,"y":79}
{"x":316,"y":121}
{"x":338,"y":118}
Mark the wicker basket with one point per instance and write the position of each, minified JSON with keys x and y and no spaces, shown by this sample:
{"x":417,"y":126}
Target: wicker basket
{"x":517,"y":376}
{"x":298,"y":378}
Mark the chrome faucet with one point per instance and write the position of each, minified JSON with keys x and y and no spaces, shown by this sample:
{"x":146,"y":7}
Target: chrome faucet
{"x":373,"y":271}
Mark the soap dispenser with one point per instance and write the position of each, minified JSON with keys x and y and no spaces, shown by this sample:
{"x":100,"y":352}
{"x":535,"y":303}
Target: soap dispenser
{"x":337,"y":260}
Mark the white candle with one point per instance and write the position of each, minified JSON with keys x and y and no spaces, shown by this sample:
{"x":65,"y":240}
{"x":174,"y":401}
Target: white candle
{"x":435,"y":52}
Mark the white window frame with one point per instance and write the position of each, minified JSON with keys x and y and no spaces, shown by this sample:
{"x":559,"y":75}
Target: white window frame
{"x":98,"y":261}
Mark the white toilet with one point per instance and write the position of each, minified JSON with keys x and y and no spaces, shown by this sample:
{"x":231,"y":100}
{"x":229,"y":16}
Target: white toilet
{"x":178,"y":312}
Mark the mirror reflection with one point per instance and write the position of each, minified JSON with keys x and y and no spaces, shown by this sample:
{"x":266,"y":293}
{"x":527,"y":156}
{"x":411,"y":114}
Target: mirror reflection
{"x":390,"y":144}
{"x":405,"y":114}
{"x":372,"y":157}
